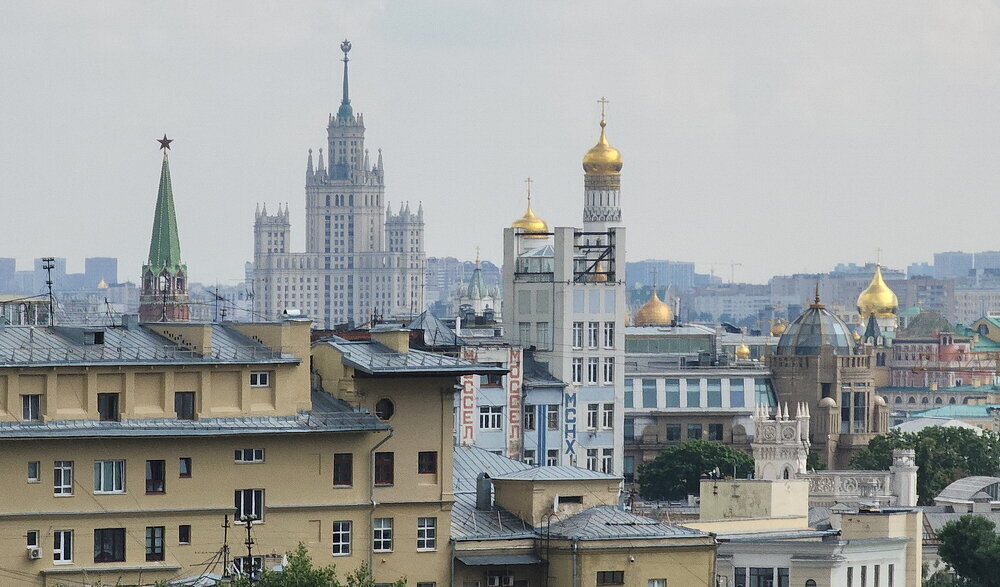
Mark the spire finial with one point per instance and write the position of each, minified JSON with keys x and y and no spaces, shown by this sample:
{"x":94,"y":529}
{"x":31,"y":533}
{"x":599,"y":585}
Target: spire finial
{"x":477,"y":256}
{"x":345,"y":102}
{"x":878,"y":257}
{"x":603,"y":102}
{"x":528,"y":183}
{"x":816,"y":300}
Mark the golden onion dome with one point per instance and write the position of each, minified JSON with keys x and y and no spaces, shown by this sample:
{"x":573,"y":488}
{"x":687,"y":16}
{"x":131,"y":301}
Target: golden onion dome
{"x":878,"y":299}
{"x":743,"y":351}
{"x":655,"y":312}
{"x":602,"y":158}
{"x":857,"y":336}
{"x":531,"y":226}
{"x":102,"y":284}
{"x":778,"y":328}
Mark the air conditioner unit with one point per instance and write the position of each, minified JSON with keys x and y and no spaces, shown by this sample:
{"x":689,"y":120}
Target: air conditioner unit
{"x":34,"y":552}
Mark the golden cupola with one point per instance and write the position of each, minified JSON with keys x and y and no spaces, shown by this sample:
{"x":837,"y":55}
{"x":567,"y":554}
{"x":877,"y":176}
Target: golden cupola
{"x":655,"y":312}
{"x":877,"y":298}
{"x":743,"y":351}
{"x":531,"y":226}
{"x":778,"y":328}
{"x":602,"y":158}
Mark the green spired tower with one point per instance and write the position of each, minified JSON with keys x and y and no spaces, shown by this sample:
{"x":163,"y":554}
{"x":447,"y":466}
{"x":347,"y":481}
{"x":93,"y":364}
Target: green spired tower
{"x":164,"y":296}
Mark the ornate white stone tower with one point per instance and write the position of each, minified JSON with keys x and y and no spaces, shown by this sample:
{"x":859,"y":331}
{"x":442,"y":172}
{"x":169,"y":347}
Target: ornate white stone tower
{"x":780,"y":446}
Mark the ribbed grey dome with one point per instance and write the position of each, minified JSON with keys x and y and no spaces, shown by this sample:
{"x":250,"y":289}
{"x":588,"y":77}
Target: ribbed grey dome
{"x":814,"y":328}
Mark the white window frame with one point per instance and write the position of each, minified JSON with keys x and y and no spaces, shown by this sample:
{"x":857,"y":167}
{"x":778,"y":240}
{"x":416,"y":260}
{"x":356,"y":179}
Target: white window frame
{"x":117,"y":476}
{"x":31,"y":538}
{"x":593,"y":411}
{"x":578,"y":335}
{"x":382,"y":535}
{"x":577,"y":370}
{"x":552,"y":416}
{"x":341,"y":538}
{"x":248,"y":455}
{"x":529,"y":456}
{"x":34,"y":476}
{"x":62,"y":547}
{"x":240,"y":511}
{"x":593,"y":334}
{"x":524,"y":333}
{"x":490,"y":417}
{"x":609,"y":370}
{"x":530,"y":421}
{"x":31,"y":407}
{"x":260,"y":379}
{"x":607,"y":416}
{"x":607,"y":460}
{"x":543,"y":336}
{"x":62,"y":483}
{"x":592,"y":370}
{"x":426,"y":534}
{"x":552,"y":457}
{"x":592,"y":459}
{"x":609,"y":335}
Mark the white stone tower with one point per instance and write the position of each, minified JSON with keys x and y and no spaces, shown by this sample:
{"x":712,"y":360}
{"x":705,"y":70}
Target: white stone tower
{"x":781,"y":445}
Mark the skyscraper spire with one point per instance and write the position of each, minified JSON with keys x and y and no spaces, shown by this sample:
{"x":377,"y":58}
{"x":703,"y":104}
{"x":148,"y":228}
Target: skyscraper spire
{"x":345,"y":109}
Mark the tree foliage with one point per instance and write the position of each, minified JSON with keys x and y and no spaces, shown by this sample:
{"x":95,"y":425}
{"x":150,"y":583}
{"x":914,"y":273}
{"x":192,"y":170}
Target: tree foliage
{"x":971,"y":547}
{"x":300,"y":572}
{"x":943,"y":455}
{"x":676,"y":472}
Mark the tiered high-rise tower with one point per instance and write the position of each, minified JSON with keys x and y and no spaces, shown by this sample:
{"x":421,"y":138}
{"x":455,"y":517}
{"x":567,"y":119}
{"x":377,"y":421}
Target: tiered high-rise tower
{"x":361,"y":259}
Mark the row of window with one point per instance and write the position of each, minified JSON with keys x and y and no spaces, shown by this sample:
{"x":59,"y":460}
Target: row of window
{"x":109,"y":543}
{"x":593,"y":335}
{"x":551,"y":457}
{"x":599,"y":416}
{"x":697,"y":393}
{"x":594,"y":370}
{"x":618,"y":578}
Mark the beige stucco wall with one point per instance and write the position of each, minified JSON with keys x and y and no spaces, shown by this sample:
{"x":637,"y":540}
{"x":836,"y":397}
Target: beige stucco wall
{"x":688,"y":562}
{"x":907,"y":524}
{"x":533,"y":500}
{"x":753,"y":498}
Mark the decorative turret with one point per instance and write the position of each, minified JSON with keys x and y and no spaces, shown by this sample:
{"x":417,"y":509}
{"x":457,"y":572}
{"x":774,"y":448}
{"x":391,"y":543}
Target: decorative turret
{"x":529,"y":225}
{"x":781,"y":445}
{"x":880,"y":302}
{"x":602,"y":166}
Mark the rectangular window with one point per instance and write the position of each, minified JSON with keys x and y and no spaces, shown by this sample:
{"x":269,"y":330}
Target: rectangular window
{"x":629,"y":401}
{"x":249,"y":455}
{"x":693,"y":393}
{"x":610,"y":577}
{"x":783,"y":577}
{"x":184,"y":405}
{"x":384,"y":468}
{"x":62,"y":483}
{"x":529,"y":456}
{"x":184,"y":534}
{"x":552,"y":457}
{"x":850,"y":576}
{"x":609,"y":335}
{"x":715,"y":393}
{"x":343,"y":469}
{"x":593,"y":329}
{"x":109,"y":476}
{"x":736,"y":397}
{"x":593,"y":411}
{"x":33,"y":471}
{"x":629,"y":428}
{"x":694,"y":431}
{"x":592,"y":459}
{"x":427,"y":462}
{"x":656,"y":583}
{"x":524,"y":333}
{"x":107,"y":407}
{"x":577,"y":370}
{"x":156,"y":476}
{"x":154,"y":543}
{"x":529,"y":417}
{"x":673,"y":432}
{"x":890,"y":575}
{"x":552,"y":417}
{"x":593,"y":365}
{"x":31,"y":407}
{"x":246,"y":566}
{"x":184,"y":467}
{"x":249,"y":503}
{"x":382,"y":535}
{"x":426,"y":534}
{"x":490,"y":417}
{"x":62,"y":546}
{"x":628,"y":468}
{"x":607,"y":460}
{"x":864,"y":576}
{"x":260,"y":379}
{"x":609,"y":369}
{"x":31,"y":538}
{"x":715,"y":432}
{"x":608,"y":416}
{"x":109,"y":545}
{"x":649,"y":393}
{"x":876,"y":576}
{"x":543,"y":336}
{"x":578,"y":335}
{"x":673,"y":389}
{"x":342,"y":538}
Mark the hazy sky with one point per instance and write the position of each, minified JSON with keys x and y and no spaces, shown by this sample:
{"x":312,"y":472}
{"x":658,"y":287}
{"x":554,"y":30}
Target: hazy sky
{"x":786,"y":136}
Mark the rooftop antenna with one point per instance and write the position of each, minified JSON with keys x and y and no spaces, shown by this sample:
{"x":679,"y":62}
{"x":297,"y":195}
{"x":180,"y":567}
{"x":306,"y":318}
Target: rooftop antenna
{"x":48,"y":264}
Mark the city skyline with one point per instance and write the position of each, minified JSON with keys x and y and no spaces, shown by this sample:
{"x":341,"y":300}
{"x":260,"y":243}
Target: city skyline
{"x":868,"y":125}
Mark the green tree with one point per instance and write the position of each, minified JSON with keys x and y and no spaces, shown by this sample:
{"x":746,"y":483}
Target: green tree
{"x":676,"y":472}
{"x":300,"y":572}
{"x":943,"y":455}
{"x":971,"y":546}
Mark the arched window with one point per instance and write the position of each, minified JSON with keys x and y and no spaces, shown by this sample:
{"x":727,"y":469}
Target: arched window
{"x":912,"y":400}
{"x":938,"y":400}
{"x":924,"y":400}
{"x":951,"y":401}
{"x":899,"y":399}
{"x":786,"y":474}
{"x":810,"y":583}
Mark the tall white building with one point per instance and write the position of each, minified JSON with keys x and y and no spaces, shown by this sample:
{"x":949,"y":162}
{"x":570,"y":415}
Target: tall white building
{"x":564,"y":294}
{"x":361,"y":259}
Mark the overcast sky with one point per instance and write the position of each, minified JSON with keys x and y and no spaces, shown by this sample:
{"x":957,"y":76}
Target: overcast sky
{"x":786,"y":136}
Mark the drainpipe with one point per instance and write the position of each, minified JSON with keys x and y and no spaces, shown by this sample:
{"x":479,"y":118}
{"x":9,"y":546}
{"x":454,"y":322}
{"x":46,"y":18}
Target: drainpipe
{"x":576,"y":570}
{"x":371,"y":512}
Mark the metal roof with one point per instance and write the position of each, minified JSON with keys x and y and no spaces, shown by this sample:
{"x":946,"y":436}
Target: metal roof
{"x":958,"y":411}
{"x":482,"y":560}
{"x":966,"y":487}
{"x":374,"y":358}
{"x":559,"y":473}
{"x":470,"y":461}
{"x":610,"y":522}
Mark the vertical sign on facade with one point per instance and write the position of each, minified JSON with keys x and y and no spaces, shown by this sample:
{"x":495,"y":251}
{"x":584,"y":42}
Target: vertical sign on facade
{"x":569,"y":429}
{"x":514,"y":380}
{"x":467,"y":404}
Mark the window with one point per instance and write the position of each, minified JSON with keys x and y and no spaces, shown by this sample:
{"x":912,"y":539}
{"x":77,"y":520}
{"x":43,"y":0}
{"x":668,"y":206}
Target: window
{"x":592,"y":369}
{"x":249,"y":504}
{"x":592,"y":415}
{"x":693,"y":393}
{"x":578,"y":335}
{"x":343,"y":469}
{"x":154,"y":543}
{"x":107,"y":407}
{"x":593,"y":328}
{"x":184,"y":405}
{"x":577,"y":370}
{"x":109,"y":476}
{"x":427,"y":462}
{"x":610,"y":577}
{"x":609,"y":335}
{"x":694,"y":431}
{"x":552,"y":417}
{"x":184,"y":534}
{"x":715,"y":432}
{"x":673,"y":432}
{"x":551,"y":457}
{"x":62,"y":546}
{"x":33,"y":469}
{"x":342,"y":538}
{"x":609,"y":369}
{"x":607,"y":460}
{"x":384,"y":409}
{"x":657,"y":583}
{"x":109,"y":545}
{"x":62,"y":483}
{"x":608,"y":416}
{"x":246,"y":566}
{"x":673,"y":389}
{"x":382,"y":535}
{"x":260,"y":379}
{"x":31,"y":538}
{"x":629,"y":398}
{"x":524,"y":333}
{"x":249,"y":455}
{"x":715,"y":393}
{"x":490,"y":417}
{"x":629,"y":428}
{"x":736,"y":397}
{"x":529,"y":456}
{"x":31,"y":407}
{"x":184,"y":467}
{"x":529,"y":417}
{"x":592,"y":459}
{"x":628,"y":469}
{"x":156,"y":476}
{"x":850,"y":576}
{"x":649,"y":393}
{"x":426,"y":534}
{"x":544,"y":336}
{"x":384,"y":468}
{"x":889,"y":576}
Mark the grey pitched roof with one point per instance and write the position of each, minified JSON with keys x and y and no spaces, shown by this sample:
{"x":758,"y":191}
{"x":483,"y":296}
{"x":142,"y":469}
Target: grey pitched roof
{"x":536,"y":374}
{"x":937,"y":520}
{"x":374,"y":358}
{"x":470,"y":461}
{"x":610,"y":522}
{"x":965,"y":488}
{"x":560,"y":473}
{"x":436,"y":332}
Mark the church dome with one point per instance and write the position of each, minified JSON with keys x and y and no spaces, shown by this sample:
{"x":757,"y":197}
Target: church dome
{"x":531,"y":226}
{"x":778,"y":328}
{"x":102,"y":284}
{"x":743,"y":351}
{"x":602,"y":158}
{"x":813,"y":329}
{"x":827,"y":402}
{"x":655,"y":312}
{"x":877,"y":298}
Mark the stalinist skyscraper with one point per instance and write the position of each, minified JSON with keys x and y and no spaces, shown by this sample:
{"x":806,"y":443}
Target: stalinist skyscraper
{"x":361,"y":258}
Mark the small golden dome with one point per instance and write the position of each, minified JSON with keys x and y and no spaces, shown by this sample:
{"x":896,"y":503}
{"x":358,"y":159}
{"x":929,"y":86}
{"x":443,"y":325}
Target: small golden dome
{"x":602,"y":158}
{"x":743,"y":351}
{"x":877,"y":299}
{"x":857,"y":336}
{"x":654,"y":312}
{"x":531,"y":226}
{"x":102,"y":284}
{"x":778,"y":328}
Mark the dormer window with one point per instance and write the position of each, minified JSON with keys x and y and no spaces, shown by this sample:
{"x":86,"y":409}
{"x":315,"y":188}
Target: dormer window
{"x":95,"y":337}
